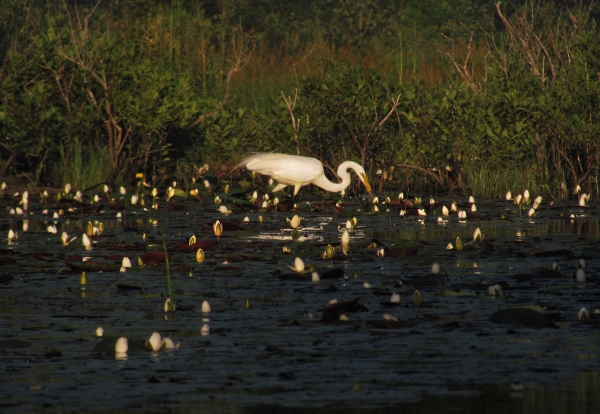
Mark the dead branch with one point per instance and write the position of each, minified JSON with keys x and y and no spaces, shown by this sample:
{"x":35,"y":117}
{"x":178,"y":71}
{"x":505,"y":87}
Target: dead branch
{"x":241,"y":58}
{"x":295,"y":124}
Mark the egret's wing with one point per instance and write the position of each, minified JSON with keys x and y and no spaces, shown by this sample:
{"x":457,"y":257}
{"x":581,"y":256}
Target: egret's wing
{"x":287,"y":169}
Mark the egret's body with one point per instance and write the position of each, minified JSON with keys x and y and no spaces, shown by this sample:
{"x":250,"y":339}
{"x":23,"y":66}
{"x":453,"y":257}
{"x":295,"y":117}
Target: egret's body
{"x":300,"y":171}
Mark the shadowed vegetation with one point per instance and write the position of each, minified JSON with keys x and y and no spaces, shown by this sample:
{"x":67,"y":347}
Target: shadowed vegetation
{"x":467,"y":95}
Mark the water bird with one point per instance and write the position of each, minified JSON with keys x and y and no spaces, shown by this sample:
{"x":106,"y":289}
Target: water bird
{"x":299,"y":171}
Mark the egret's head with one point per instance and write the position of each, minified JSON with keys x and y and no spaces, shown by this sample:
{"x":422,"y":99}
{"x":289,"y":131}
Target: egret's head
{"x":363,"y":177}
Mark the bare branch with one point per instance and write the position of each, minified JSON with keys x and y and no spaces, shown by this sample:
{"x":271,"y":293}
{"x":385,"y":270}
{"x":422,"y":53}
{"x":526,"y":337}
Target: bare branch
{"x":241,"y":58}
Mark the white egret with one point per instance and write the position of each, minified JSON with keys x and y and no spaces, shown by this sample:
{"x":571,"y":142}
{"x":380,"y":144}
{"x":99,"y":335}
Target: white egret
{"x":300,"y":171}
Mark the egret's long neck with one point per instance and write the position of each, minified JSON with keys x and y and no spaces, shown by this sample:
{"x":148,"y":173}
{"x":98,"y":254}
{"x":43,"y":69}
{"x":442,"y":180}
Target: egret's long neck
{"x":343,"y":173}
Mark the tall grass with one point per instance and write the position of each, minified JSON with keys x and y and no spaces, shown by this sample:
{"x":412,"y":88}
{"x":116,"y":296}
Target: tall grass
{"x":85,"y":170}
{"x":485,"y":182}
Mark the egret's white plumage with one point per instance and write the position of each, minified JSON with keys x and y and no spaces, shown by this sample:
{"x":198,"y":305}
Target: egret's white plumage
{"x":299,"y":171}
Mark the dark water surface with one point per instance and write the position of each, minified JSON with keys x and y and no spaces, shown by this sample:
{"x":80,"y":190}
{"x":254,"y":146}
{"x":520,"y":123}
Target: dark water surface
{"x":278,"y":356}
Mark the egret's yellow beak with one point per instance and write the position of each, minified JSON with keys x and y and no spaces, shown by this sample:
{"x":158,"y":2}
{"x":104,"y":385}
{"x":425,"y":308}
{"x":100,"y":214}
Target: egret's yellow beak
{"x":365,"y":181}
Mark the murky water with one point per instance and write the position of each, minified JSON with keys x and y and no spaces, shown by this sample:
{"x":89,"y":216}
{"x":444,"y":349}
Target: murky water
{"x":268,"y":349}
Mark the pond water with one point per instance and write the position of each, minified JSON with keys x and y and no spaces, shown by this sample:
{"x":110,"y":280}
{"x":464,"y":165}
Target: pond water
{"x":270,"y":347}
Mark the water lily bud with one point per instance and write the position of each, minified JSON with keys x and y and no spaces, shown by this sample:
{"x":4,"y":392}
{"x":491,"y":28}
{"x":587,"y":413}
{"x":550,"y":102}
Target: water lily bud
{"x":395,"y":298}
{"x":246,"y":219}
{"x":286,"y":249}
{"x":402,"y":213}
{"x":265,"y":204}
{"x":78,"y":196}
{"x":205,"y":330}
{"x":538,"y":200}
{"x":354,"y":221}
{"x":459,"y":243}
{"x":206,"y":184}
{"x":473,"y":208}
{"x":106,"y":189}
{"x":200,"y":256}
{"x":375,"y":200}
{"x":218,"y":228}
{"x":453,"y":207}
{"x":508,"y":196}
{"x":87,"y":242}
{"x":477,"y":235}
{"x":582,"y":199}
{"x":122,"y":190}
{"x":531,"y":212}
{"x":19,"y":210}
{"x":580,"y":276}
{"x":495,"y":290}
{"x":154,"y":192}
{"x":367,"y":285}
{"x":192,"y":240}
{"x":134,"y":199}
{"x":421,"y":212}
{"x":298,"y":265}
{"x":450,"y":246}
{"x":67,"y":188}
{"x":462,"y":215}
{"x":315,"y":277}
{"x":169,"y":306}
{"x":224,"y":210}
{"x":417,"y":298}
{"x":226,"y":189}
{"x":435,"y":268}
{"x":580,"y":264}
{"x":275,"y":201}
{"x":381,"y":253}
{"x":583,"y":315}
{"x":343,"y":318}
{"x":260,"y":219}
{"x":170,"y":193}
{"x":471,"y":199}
{"x":155,"y":342}
{"x":206,"y":307}
{"x":126,"y":262}
{"x":55,"y":215}
{"x":270,"y":181}
{"x":526,"y":195}
{"x":445,"y":211}
{"x":121,"y":346}
{"x":168,"y":343}
{"x":99,"y":331}
{"x":52,"y":229}
{"x":518,"y":199}
{"x":65,"y":239}
{"x":345,"y":241}
{"x":375,"y":208}
{"x":401,"y":196}
{"x":348,"y":225}
{"x":294,"y":222}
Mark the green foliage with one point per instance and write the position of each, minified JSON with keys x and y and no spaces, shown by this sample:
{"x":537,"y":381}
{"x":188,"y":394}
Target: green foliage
{"x":508,"y":99}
